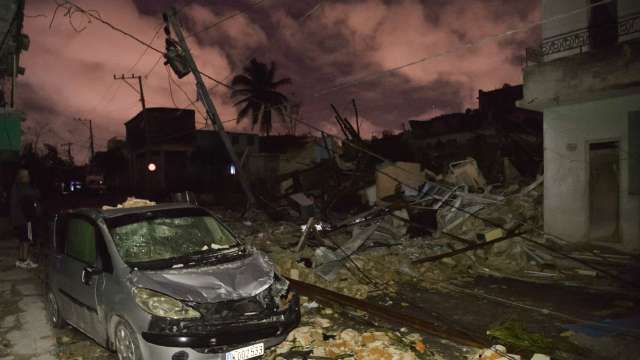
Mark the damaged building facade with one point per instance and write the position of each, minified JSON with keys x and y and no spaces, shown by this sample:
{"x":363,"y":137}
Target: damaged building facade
{"x":585,"y":78}
{"x":168,"y":154}
{"x":503,"y":138}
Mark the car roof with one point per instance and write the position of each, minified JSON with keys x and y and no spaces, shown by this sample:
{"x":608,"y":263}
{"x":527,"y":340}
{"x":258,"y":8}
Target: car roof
{"x":115,"y":212}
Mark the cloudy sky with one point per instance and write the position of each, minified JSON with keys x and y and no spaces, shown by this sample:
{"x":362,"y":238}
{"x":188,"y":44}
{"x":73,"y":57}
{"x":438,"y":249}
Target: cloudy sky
{"x":323,"y":46}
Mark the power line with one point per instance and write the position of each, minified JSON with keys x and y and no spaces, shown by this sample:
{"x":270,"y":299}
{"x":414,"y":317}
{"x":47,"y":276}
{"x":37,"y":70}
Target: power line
{"x":144,"y":52}
{"x":71,"y":6}
{"x":118,"y":85}
{"x":170,"y":87}
{"x":192,"y":102}
{"x":456,"y":49}
{"x":209,"y":27}
{"x":153,"y":67}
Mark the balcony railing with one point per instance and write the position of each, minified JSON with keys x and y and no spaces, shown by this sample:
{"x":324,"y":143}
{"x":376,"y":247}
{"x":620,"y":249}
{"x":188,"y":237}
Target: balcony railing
{"x":581,"y":39}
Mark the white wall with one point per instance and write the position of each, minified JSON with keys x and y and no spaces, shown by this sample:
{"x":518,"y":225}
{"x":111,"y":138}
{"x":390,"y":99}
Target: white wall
{"x":566,"y":182}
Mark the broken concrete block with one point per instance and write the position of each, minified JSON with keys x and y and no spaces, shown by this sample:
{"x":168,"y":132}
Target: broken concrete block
{"x":350,"y":336}
{"x":490,"y":234}
{"x":304,"y":203}
{"x":466,"y":172}
{"x":497,"y":352}
{"x":540,"y":357}
{"x":390,"y":176}
{"x":369,"y":337}
{"x":305,"y":335}
{"x":369,"y":195}
{"x":294,"y":274}
{"x":322,"y":322}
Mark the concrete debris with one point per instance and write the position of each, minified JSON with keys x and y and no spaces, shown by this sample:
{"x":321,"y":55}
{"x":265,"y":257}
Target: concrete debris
{"x":304,"y":204}
{"x":131,"y":202}
{"x":351,"y":344}
{"x":466,"y":172}
{"x":390,"y":178}
{"x":490,"y":234}
{"x":329,"y":262}
{"x":496,"y":352}
{"x":540,"y":357}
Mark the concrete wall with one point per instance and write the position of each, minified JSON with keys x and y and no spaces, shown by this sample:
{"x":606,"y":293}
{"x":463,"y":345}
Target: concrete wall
{"x":585,"y":77}
{"x":569,"y":15}
{"x":568,"y":130}
{"x":553,"y":8}
{"x":578,"y":19}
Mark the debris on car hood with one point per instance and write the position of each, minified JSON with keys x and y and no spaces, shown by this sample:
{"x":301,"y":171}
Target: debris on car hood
{"x":131,"y":202}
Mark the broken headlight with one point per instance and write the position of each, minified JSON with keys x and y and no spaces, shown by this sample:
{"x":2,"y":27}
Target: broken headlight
{"x":281,"y":292}
{"x":162,"y":305}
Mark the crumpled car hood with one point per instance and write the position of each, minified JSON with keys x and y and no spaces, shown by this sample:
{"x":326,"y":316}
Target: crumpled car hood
{"x":229,"y":281}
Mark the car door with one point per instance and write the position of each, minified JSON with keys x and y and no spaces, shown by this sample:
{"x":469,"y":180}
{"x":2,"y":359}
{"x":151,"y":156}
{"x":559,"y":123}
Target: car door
{"x":80,"y":265}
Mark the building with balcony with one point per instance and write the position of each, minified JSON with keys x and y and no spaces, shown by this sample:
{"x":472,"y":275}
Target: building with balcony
{"x":585,"y":78}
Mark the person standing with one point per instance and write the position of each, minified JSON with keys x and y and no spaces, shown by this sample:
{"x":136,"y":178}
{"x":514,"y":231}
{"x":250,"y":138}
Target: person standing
{"x":23,"y":207}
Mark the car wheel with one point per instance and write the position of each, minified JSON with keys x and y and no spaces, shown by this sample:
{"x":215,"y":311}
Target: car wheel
{"x":126,"y":342}
{"x":53,"y":311}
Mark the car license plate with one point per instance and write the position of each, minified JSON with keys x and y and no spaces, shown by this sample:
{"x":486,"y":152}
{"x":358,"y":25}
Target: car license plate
{"x":247,"y":352}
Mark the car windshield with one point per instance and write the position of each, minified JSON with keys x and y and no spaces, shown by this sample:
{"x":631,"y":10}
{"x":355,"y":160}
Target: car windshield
{"x":161,"y":235}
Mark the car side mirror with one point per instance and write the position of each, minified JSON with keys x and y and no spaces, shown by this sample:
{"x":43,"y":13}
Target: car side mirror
{"x":88,"y":273}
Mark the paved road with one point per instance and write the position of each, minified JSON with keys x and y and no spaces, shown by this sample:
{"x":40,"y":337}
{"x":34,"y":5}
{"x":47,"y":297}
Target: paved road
{"x":24,"y":330}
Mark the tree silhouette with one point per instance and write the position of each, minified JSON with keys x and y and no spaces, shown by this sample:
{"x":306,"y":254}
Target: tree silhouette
{"x":256,"y":89}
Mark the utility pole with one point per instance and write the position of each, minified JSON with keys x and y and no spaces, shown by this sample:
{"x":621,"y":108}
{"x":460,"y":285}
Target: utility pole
{"x":205,"y":98}
{"x":140,"y":89}
{"x":90,"y":127}
{"x":68,"y":146}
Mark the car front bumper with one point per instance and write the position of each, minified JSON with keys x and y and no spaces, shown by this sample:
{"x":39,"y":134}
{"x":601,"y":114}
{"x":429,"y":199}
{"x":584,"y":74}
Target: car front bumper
{"x":157,"y":352}
{"x":217,"y":342}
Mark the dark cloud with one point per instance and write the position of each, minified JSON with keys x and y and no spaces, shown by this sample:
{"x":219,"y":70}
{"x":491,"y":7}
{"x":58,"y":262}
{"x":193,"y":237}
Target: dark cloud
{"x":318,"y":44}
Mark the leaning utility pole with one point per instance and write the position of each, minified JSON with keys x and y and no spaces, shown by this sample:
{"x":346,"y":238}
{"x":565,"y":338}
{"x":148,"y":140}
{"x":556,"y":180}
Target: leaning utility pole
{"x":90,"y":127}
{"x":140,"y":91}
{"x":205,"y":98}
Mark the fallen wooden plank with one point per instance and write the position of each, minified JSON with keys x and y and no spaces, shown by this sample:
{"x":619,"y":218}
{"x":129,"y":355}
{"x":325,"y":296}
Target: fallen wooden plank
{"x":388,"y":314}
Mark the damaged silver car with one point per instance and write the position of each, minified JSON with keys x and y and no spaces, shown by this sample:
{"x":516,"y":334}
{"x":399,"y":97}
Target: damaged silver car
{"x":165,"y":282}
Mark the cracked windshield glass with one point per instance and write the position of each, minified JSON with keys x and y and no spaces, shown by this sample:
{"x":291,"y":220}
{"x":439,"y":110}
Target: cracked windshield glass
{"x":157,"y":238}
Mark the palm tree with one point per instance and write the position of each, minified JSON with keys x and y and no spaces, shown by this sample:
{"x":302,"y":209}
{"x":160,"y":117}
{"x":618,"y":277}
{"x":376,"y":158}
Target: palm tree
{"x":257,"y":92}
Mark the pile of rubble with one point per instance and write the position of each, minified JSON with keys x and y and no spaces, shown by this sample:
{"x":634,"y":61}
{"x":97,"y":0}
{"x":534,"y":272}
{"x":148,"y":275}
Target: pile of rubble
{"x":322,"y":335}
{"x":410,"y":228}
{"x":441,"y":231}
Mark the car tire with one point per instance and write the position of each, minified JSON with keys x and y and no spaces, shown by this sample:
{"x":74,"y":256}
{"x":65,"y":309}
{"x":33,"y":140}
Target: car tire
{"x":125,"y":342}
{"x":54,"y":316}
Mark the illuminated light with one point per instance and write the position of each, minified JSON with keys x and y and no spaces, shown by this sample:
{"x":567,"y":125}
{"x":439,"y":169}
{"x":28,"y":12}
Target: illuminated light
{"x":152,"y":167}
{"x":232,"y":169}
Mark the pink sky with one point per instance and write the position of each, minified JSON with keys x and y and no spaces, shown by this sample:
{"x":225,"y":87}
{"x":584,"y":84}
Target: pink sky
{"x":70,"y":74}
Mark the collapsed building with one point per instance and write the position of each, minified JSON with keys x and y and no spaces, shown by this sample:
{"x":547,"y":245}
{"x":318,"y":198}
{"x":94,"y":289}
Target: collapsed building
{"x":497,"y":135}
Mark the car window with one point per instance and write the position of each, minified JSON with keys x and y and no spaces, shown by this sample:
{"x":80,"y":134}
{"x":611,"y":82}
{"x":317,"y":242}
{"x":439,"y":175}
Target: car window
{"x":159,"y":237}
{"x":80,"y":239}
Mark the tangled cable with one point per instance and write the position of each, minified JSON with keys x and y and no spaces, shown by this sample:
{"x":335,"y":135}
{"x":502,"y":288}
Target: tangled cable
{"x":70,"y":10}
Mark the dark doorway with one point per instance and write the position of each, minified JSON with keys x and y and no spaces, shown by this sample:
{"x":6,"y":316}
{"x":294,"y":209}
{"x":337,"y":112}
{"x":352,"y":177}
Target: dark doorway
{"x":604,"y":191}
{"x":603,"y":24}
